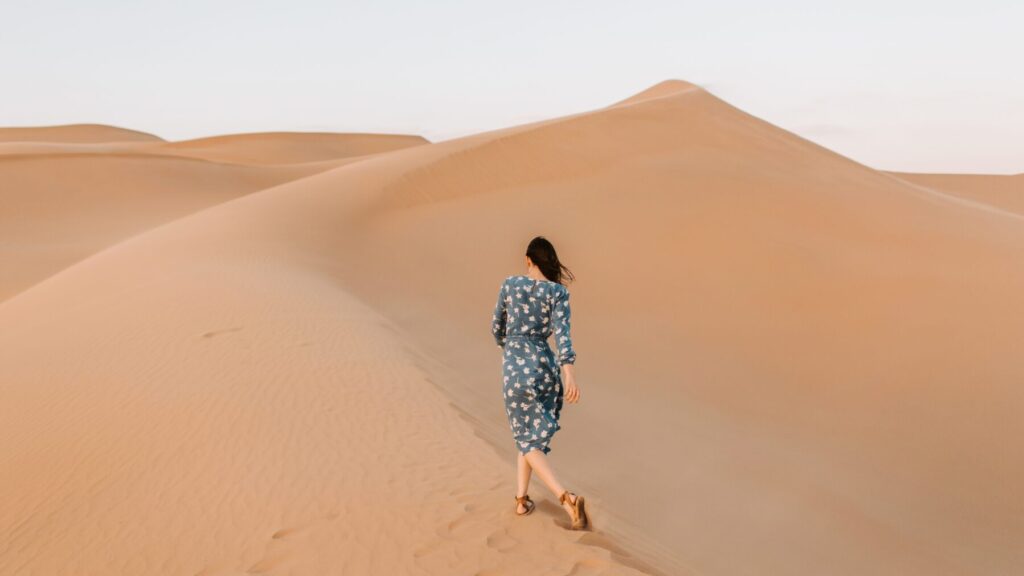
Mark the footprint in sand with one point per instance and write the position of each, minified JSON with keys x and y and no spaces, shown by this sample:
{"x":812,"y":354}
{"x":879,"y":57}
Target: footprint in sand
{"x":588,"y":566}
{"x":501,"y":541}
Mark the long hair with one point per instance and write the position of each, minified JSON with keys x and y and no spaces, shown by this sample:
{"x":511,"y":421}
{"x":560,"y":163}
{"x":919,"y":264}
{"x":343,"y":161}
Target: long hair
{"x":543,"y":255}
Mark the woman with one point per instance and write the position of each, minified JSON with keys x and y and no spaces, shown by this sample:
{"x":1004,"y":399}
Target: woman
{"x":531,"y":308}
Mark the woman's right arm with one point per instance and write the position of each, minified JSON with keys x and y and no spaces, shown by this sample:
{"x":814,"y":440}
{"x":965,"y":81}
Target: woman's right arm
{"x":499,"y":320}
{"x":562,"y":318}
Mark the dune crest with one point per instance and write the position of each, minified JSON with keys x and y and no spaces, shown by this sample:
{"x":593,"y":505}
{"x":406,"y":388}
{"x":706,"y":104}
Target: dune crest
{"x":660,"y":90}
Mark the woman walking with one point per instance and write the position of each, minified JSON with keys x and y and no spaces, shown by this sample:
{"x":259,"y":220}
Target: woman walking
{"x":530,"y":308}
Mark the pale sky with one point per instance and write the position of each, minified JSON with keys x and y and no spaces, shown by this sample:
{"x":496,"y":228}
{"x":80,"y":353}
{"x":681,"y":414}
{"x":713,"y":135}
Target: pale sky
{"x":901,"y":85}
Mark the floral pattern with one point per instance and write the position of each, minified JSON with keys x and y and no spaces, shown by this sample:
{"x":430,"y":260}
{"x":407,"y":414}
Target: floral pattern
{"x":526,"y":314}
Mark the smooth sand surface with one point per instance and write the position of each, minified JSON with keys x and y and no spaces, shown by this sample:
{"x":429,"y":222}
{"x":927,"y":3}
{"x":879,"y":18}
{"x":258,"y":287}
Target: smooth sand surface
{"x":790,"y":363}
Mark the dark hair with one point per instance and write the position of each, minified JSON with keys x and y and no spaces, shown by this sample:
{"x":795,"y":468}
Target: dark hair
{"x":543,"y":255}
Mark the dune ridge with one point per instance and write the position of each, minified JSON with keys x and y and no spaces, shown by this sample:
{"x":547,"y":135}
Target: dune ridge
{"x":780,"y":351}
{"x":1003,"y":192}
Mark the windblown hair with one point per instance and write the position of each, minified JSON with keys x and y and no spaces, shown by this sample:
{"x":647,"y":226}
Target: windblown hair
{"x":543,"y":255}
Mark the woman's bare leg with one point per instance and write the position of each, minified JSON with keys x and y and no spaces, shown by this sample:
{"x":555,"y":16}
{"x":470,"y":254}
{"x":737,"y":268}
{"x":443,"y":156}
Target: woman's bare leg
{"x":523,"y":470}
{"x":538,"y":461}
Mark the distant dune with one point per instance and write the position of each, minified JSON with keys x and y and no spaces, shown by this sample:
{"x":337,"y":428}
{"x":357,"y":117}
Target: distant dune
{"x":791,"y":363}
{"x":289,"y":147}
{"x":75,"y":133}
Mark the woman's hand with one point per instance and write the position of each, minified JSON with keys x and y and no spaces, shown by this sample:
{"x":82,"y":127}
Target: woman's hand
{"x":572,"y":391}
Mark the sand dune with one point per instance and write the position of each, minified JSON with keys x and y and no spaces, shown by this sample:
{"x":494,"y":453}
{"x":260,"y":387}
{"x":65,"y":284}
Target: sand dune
{"x":289,"y":147}
{"x":790,"y":364}
{"x":29,"y":148}
{"x":75,"y":133}
{"x":274,"y":148}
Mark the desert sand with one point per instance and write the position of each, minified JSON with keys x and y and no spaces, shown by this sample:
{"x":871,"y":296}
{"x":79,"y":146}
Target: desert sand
{"x":276,"y":358}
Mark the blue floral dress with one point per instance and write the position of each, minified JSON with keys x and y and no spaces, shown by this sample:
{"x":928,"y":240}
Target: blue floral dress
{"x":526,"y":314}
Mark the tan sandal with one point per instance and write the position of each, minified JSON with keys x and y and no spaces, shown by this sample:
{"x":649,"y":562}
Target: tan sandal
{"x":526,"y":502}
{"x":579,"y":520}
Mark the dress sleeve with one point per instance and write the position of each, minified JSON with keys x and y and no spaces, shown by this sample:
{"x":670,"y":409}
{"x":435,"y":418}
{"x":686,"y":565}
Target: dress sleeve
{"x":562,"y":317}
{"x":499,"y":320}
